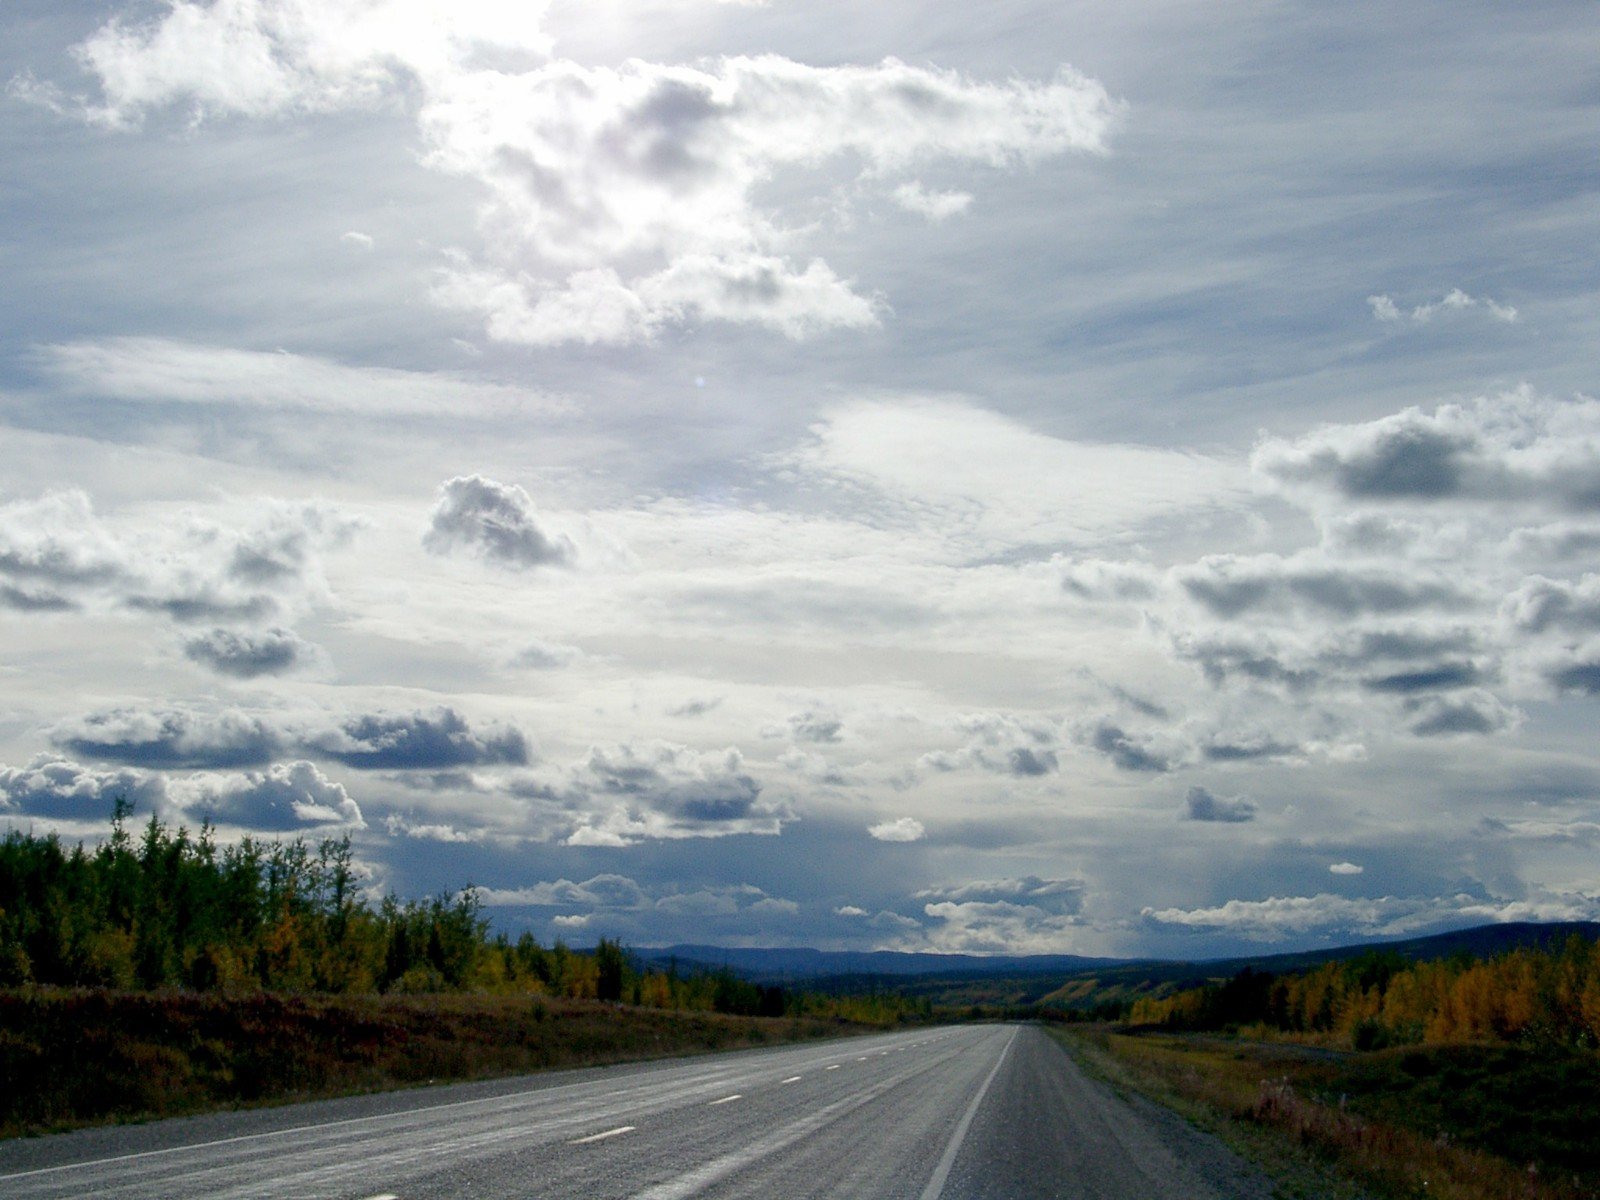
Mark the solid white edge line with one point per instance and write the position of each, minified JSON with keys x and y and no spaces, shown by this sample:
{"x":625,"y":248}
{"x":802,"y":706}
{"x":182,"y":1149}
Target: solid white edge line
{"x":600,"y":1137}
{"x":942,"y":1172}
{"x":728,"y":1099}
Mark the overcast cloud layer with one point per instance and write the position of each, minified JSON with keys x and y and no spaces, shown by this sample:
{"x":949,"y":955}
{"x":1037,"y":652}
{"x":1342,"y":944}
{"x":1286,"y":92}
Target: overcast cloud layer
{"x":1089,"y":480}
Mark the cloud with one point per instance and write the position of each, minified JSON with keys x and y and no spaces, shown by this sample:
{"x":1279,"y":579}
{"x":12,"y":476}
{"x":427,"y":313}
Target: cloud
{"x":546,"y":656}
{"x":145,"y":370}
{"x":278,"y":56}
{"x":699,"y":706}
{"x":172,"y":738}
{"x":1345,"y":868}
{"x":676,"y":781}
{"x":1232,"y":586}
{"x":1454,"y":301}
{"x":620,"y":199}
{"x":248,"y":655}
{"x":1130,"y":751}
{"x":285,"y":796}
{"x":1540,"y":605}
{"x":592,"y":170}
{"x":620,"y":795}
{"x":1057,"y":896}
{"x":424,"y":740}
{"x":361,"y":241}
{"x":1004,"y":744}
{"x":1580,"y":675}
{"x":1328,"y":917}
{"x":58,"y":788}
{"x":1440,"y":677}
{"x":1514,"y":447}
{"x":989,"y":483}
{"x":56,"y":554}
{"x":495,"y":521}
{"x":646,"y":908}
{"x":816,"y":727}
{"x":1475,"y":712}
{"x":1202,"y":805}
{"x":936,"y":206}
{"x":901,"y":829}
{"x":600,"y":891}
{"x":999,"y":926}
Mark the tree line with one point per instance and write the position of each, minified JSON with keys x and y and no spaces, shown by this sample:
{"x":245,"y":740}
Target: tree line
{"x":170,"y":909}
{"x":1381,"y":998}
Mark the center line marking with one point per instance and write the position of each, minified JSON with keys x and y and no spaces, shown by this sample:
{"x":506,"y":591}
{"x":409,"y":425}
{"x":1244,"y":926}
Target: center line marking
{"x":791,"y":1079}
{"x":728,"y":1099}
{"x":600,"y":1137}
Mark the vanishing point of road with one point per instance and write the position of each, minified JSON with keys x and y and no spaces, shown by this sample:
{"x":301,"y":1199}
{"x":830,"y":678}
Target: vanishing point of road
{"x":997,"y":1112}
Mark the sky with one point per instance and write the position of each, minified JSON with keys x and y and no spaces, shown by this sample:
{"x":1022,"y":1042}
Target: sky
{"x":1100,"y":478}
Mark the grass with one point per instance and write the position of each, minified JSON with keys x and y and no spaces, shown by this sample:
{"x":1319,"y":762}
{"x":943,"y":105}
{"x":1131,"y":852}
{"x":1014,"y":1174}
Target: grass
{"x":1459,"y":1122}
{"x":77,"y":1057}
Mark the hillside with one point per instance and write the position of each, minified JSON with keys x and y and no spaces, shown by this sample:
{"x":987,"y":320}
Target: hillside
{"x":1064,"y":980}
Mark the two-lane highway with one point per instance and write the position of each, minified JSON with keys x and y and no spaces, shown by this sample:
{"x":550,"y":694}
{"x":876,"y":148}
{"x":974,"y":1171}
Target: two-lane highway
{"x":959,"y":1112}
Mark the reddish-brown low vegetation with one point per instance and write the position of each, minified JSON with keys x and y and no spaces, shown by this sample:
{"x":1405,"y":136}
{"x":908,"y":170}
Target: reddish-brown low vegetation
{"x":81,"y":1056}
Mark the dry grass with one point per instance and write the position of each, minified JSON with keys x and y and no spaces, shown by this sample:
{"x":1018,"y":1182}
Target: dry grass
{"x":75,"y":1057}
{"x":1254,"y":1090}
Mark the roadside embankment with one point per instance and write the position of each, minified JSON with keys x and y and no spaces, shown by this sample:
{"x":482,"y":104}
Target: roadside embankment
{"x":1477,"y":1122}
{"x":74,"y":1057}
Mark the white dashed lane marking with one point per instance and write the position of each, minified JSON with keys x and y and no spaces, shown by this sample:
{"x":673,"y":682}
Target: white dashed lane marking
{"x":728,"y":1099}
{"x":792,"y":1079}
{"x":600,"y":1137}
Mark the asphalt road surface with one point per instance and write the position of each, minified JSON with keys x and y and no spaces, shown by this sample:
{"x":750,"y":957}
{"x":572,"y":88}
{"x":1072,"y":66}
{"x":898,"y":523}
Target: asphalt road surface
{"x":959,"y":1113}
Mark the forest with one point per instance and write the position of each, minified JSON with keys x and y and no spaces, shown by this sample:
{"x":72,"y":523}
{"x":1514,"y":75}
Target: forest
{"x":1381,"y":999}
{"x":165,"y":908}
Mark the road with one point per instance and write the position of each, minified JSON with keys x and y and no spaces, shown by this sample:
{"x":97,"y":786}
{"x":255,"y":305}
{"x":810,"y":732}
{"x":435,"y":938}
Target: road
{"x":955,"y":1113}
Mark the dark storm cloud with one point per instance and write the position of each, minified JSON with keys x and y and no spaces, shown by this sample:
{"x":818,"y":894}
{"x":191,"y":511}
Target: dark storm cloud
{"x":63,"y":790}
{"x":203,"y":606}
{"x":1443,"y":677}
{"x":1221,"y":659}
{"x":819,"y":727}
{"x":33,"y":601}
{"x":1128,"y":751}
{"x":172,"y":738}
{"x":1540,"y":605}
{"x":1025,"y":761}
{"x":494,"y":520}
{"x":1229,"y":587}
{"x":426,"y":740}
{"x":1247,"y":750}
{"x":1200,"y":804}
{"x":247,"y":655}
{"x":1582,"y":677}
{"x":285,"y":796}
{"x":1513,"y":447}
{"x":674,"y":781}
{"x":1474,"y":713}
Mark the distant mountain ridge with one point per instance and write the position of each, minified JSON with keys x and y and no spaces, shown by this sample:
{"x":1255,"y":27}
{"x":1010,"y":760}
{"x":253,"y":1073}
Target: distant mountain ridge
{"x":777,"y":964}
{"x":1051,"y":977}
